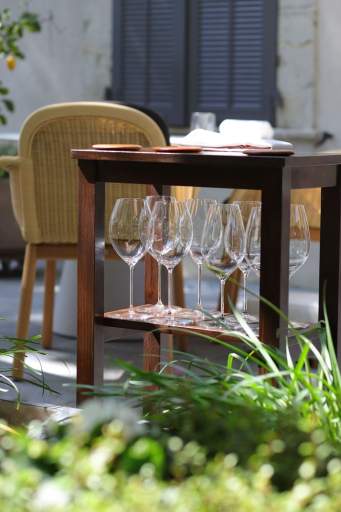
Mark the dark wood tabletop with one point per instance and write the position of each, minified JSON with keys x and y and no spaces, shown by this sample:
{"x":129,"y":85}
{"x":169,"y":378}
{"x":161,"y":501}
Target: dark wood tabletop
{"x":240,"y":171}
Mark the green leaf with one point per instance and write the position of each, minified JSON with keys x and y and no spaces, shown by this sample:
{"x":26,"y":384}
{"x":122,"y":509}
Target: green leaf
{"x":9,"y":105}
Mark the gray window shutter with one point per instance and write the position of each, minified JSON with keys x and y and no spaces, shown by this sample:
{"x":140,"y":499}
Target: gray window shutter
{"x":149,"y":55}
{"x":233,"y":58}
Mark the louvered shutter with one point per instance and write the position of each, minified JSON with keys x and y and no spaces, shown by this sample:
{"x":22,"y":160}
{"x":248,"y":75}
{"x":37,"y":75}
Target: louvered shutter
{"x":233,"y":58}
{"x":149,"y":55}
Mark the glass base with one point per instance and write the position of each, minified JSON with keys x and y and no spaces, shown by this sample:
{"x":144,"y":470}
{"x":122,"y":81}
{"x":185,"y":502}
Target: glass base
{"x":217,"y":321}
{"x":171,"y":320}
{"x":195,"y":315}
{"x":166,"y":311}
{"x":132,"y":314}
{"x":151,"y":309}
{"x":249,"y":319}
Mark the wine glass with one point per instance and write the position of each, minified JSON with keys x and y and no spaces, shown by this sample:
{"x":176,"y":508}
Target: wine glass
{"x":245,"y":267}
{"x":223,"y":245}
{"x":203,"y":120}
{"x":145,"y":234}
{"x":124,"y":234}
{"x":171,"y":237}
{"x":299,"y":238}
{"x":198,"y":209}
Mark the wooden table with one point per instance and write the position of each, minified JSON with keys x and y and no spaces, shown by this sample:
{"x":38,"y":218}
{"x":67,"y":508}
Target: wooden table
{"x":275,"y":176}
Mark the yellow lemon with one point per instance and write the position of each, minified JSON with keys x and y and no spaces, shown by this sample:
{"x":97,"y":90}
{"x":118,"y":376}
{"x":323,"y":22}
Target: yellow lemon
{"x":11,"y":62}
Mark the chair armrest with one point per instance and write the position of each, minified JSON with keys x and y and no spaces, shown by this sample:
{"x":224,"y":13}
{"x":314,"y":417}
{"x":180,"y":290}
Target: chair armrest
{"x":10,"y":163}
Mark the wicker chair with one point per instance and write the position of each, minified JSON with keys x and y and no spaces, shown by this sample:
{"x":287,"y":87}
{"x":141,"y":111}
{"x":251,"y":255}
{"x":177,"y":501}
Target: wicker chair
{"x":43,"y":181}
{"x":310,"y":198}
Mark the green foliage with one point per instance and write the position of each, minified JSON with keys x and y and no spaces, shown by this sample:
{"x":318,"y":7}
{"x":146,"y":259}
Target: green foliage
{"x":11,"y":33}
{"x":11,"y":347}
{"x":212,"y":438}
{"x":119,"y":464}
{"x":192,"y":388}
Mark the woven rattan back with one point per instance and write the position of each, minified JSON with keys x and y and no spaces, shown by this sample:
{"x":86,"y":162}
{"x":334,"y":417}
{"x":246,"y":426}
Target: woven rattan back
{"x":310,"y":198}
{"x":44,"y":188}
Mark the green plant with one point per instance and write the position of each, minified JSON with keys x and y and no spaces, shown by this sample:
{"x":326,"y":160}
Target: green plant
{"x":215,"y":405}
{"x":284,"y":382}
{"x":213,"y":438}
{"x":9,"y":348}
{"x":106,"y":460}
{"x":11,"y":33}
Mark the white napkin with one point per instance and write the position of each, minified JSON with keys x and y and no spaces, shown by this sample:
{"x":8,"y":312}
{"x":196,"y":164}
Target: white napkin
{"x":215,"y":141}
{"x":246,"y":129}
{"x":206,"y":138}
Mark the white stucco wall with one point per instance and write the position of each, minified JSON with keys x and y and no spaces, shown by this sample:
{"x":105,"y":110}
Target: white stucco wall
{"x":69,"y":60}
{"x":296,"y":78}
{"x":309,"y":72}
{"x":329,"y":71}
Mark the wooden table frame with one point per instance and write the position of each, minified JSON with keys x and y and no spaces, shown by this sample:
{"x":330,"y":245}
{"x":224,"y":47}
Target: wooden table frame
{"x":275,"y":176}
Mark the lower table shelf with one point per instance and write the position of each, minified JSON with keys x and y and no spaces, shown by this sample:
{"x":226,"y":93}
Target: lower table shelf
{"x":119,"y":318}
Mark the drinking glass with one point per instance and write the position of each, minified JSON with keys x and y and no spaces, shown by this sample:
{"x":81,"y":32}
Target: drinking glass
{"x":124,"y":233}
{"x":147,"y":238}
{"x":223,"y":245}
{"x":171,"y":237}
{"x":299,"y":239}
{"x":245,"y":267}
{"x":203,"y":120}
{"x":198,"y":209}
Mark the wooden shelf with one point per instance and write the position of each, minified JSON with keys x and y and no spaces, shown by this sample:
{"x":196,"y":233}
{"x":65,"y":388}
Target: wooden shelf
{"x":114,"y":319}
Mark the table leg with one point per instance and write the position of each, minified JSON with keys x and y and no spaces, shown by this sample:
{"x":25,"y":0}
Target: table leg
{"x":90,"y":342}
{"x":274,"y":275}
{"x":330,"y":260}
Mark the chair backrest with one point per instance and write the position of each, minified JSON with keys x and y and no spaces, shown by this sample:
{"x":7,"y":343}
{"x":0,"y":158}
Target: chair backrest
{"x":310,"y":198}
{"x":44,"y":188}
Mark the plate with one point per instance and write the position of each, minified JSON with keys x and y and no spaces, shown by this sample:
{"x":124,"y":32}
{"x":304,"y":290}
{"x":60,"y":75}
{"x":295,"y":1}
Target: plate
{"x":178,"y":149}
{"x":117,"y":147}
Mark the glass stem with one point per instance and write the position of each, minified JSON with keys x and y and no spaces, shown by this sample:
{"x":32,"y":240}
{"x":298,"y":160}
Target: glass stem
{"x":222,"y":297}
{"x":244,"y":293}
{"x":131,"y":284}
{"x":159,"y":300}
{"x":170,"y":283}
{"x":199,"y":304}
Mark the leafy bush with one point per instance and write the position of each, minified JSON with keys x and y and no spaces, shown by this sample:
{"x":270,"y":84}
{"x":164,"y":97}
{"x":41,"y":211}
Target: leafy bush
{"x":108,"y":460}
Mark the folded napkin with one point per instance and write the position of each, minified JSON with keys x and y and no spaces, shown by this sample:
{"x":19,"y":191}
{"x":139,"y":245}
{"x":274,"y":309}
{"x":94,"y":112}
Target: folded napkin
{"x":246,"y":129}
{"x":214,"y":141}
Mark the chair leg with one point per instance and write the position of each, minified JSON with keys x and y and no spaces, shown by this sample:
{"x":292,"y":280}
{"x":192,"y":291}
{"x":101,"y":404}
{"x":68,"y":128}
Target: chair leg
{"x":49,"y":282}
{"x":179,"y":299}
{"x":151,"y":351}
{"x":231,"y":290}
{"x":27,"y":284}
